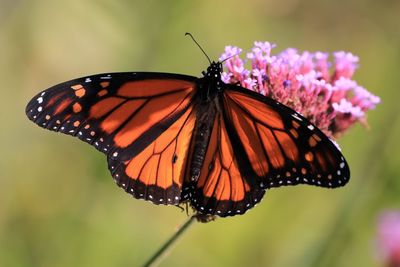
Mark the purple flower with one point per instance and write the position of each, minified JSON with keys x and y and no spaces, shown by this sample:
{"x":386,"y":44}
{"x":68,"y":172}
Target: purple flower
{"x":234,"y":65}
{"x":388,"y":239}
{"x":323,"y":91}
{"x":345,"y":64}
{"x":322,"y":64}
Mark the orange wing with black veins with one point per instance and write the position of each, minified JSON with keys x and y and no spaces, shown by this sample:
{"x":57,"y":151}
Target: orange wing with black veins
{"x":142,"y":121}
{"x":277,"y":146}
{"x":221,"y":188}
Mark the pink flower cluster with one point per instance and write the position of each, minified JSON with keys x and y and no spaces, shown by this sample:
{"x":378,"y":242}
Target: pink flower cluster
{"x":322,"y":91}
{"x":389,"y":238}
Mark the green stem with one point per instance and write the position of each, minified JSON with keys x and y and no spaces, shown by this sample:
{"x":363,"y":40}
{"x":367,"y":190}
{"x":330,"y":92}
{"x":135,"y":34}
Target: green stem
{"x":159,"y":253}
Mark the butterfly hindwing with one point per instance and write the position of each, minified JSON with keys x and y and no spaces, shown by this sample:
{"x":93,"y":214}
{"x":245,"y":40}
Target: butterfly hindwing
{"x":157,"y":173}
{"x":278,"y":145}
{"x":221,"y":189}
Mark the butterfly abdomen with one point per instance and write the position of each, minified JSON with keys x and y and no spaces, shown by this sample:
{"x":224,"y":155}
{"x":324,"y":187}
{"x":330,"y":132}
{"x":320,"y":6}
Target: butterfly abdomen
{"x":205,"y":121}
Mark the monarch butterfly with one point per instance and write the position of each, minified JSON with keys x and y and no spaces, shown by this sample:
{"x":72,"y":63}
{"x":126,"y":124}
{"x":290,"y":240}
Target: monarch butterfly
{"x":172,"y":138}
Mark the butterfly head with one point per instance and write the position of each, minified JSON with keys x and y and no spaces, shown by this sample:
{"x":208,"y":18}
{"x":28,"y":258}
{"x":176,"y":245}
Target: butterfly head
{"x":214,"y":71}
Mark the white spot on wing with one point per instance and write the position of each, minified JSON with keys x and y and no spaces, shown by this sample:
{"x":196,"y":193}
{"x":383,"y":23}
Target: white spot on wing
{"x":294,"y":115}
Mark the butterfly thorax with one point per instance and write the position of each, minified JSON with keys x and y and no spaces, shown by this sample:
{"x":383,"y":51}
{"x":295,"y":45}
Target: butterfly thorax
{"x":214,"y":70}
{"x":210,"y":85}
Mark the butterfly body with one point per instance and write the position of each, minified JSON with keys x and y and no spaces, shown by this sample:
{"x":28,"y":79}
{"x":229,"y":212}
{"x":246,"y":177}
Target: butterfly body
{"x":207,"y":103}
{"x":172,"y":138}
{"x":205,"y":115}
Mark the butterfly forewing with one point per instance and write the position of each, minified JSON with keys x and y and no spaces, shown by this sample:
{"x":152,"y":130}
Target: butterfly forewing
{"x":277,"y":146}
{"x":113,"y":111}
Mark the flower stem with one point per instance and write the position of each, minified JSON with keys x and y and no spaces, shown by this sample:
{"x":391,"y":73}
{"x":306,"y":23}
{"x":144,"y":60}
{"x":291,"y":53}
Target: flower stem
{"x":159,"y":253}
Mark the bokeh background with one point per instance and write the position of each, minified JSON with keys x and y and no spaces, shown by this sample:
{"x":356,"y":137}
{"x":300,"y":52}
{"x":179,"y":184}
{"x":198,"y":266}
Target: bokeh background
{"x":58,"y":203}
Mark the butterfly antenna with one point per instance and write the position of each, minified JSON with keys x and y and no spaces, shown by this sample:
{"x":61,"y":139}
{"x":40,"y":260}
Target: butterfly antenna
{"x":194,"y":40}
{"x":231,"y":57}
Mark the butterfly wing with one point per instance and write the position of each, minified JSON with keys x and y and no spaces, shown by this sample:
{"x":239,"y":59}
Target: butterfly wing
{"x":221,"y":189}
{"x":157,"y":172}
{"x":277,"y":146}
{"x":141,"y":121}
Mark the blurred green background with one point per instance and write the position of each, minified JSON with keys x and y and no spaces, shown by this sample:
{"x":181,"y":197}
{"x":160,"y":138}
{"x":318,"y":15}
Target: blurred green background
{"x":58,"y":203}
